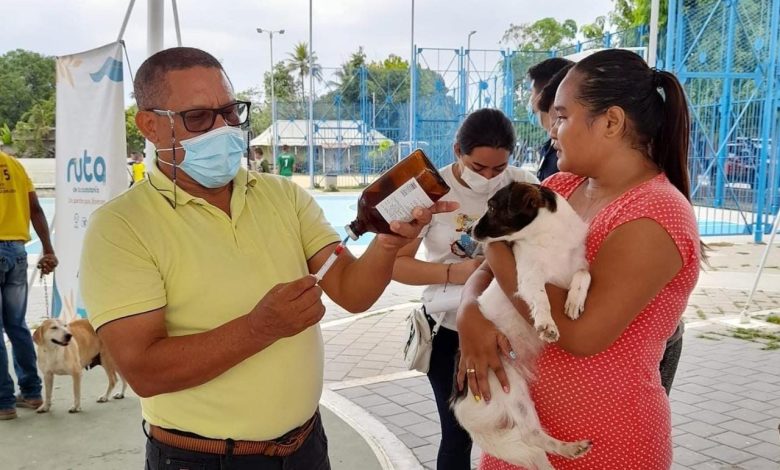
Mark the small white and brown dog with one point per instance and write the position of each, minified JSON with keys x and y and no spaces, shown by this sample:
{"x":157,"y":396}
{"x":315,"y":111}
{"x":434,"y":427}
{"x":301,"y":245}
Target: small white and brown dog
{"x":68,"y":350}
{"x":548,"y":242}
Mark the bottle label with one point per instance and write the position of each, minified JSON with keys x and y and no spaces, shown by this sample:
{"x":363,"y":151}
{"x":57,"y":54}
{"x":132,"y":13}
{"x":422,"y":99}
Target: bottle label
{"x":400,"y":203}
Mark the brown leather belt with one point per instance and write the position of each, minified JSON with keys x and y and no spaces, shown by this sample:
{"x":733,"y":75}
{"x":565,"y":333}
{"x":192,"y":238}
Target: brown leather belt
{"x":281,"y":447}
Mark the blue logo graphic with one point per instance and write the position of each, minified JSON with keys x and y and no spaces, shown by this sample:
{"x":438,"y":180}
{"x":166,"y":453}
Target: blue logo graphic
{"x":87,"y":169}
{"x":111,"y":68}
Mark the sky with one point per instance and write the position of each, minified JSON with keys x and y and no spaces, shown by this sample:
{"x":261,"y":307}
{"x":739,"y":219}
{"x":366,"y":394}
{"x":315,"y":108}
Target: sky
{"x":227,"y":28}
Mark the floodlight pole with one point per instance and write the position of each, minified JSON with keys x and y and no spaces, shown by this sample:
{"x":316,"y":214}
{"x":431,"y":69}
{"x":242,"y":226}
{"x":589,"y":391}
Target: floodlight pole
{"x":311,"y":98}
{"x":273,"y":95}
{"x":468,"y":67}
{"x":412,"y":88}
{"x":653,"y":45}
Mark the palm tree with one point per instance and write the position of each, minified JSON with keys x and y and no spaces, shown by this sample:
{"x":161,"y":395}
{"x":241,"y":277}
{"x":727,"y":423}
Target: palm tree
{"x":299,"y":61}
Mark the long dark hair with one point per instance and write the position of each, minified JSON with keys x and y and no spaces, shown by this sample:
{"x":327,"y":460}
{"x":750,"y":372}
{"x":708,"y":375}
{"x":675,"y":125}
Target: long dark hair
{"x":486,"y":127}
{"x":653,"y":100}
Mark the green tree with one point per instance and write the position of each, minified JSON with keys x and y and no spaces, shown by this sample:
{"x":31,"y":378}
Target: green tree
{"x":285,"y":91}
{"x":259,"y":112}
{"x":25,"y":78}
{"x":34,"y":133}
{"x":284,"y":83}
{"x":5,"y":135}
{"x":628,"y":14}
{"x":543,"y":35}
{"x":594,"y":30}
{"x":135,"y":140}
{"x":299,"y":62}
{"x":388,"y":79}
{"x":347,"y":82}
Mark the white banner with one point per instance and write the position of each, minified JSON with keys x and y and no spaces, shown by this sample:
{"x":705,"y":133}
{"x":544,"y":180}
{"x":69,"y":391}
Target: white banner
{"x":91,"y":158}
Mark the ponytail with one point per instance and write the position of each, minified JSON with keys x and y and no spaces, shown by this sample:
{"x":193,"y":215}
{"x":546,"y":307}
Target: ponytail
{"x":669,"y":147}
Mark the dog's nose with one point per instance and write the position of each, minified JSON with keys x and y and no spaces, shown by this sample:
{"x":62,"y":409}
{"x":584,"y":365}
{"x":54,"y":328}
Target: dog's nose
{"x":68,"y":336}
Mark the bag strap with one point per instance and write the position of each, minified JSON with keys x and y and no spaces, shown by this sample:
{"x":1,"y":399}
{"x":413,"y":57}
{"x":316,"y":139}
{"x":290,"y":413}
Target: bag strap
{"x":438,"y":321}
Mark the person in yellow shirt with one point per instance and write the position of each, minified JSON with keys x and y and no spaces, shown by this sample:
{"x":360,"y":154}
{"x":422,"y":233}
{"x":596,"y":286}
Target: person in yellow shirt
{"x":137,"y":168}
{"x":18,"y":207}
{"x":216,"y":326}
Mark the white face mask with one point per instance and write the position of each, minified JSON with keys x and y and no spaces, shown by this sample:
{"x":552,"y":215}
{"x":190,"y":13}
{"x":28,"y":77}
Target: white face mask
{"x":478,"y":183}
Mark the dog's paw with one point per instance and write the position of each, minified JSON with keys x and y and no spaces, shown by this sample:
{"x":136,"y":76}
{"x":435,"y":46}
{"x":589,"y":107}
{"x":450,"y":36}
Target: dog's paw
{"x":119,"y":395}
{"x":102,"y":399}
{"x":573,"y":450}
{"x":43,"y":408}
{"x":574,"y":306}
{"x":74,"y":409}
{"x":547,"y":332}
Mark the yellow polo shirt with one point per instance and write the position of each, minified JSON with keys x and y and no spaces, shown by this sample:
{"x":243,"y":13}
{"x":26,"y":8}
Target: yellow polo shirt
{"x":206,"y":268}
{"x":15,"y":189}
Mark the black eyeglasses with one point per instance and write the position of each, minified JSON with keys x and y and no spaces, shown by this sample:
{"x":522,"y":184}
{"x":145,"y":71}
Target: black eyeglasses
{"x":202,"y":119}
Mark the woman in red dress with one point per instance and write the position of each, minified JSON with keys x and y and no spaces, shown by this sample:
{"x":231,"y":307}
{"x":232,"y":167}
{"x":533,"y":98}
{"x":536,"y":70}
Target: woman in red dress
{"x":622,"y":140}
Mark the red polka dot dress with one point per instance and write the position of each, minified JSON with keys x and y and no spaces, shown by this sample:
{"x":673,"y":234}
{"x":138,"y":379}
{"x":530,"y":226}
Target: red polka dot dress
{"x":615,"y":398}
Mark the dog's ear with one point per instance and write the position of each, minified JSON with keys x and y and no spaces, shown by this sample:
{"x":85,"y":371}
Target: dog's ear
{"x":524,"y":198}
{"x":38,"y":335}
{"x":548,"y":197}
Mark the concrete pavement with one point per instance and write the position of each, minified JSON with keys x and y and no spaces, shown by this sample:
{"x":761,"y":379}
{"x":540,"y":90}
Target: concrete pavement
{"x":725,"y":402}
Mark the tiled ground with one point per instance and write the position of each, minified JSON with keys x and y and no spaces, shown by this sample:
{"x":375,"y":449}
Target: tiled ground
{"x":725,"y":402}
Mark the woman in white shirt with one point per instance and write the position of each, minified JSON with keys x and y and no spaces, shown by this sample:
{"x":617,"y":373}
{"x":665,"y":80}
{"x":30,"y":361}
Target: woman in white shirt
{"x":483,"y":144}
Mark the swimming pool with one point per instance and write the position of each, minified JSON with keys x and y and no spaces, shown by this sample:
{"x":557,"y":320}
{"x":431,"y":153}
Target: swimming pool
{"x":340,"y":209}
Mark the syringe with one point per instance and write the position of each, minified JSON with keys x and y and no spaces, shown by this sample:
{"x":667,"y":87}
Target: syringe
{"x":331,"y":259}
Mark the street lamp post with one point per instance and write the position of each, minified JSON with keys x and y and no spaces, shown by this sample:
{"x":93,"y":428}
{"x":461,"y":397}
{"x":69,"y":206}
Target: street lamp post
{"x":273,"y":96}
{"x":468,"y":67}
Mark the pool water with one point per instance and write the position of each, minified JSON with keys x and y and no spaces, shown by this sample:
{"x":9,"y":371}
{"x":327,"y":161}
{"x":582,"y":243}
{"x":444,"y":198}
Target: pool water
{"x":340,"y":210}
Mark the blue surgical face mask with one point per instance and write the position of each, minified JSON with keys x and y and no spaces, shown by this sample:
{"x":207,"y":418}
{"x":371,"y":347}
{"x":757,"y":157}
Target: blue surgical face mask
{"x":533,"y":116}
{"x":478,"y":183}
{"x":213,"y":159}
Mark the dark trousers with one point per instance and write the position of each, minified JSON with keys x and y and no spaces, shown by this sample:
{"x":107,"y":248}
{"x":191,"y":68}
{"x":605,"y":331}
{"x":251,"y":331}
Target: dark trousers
{"x":671,"y":359}
{"x":455,"y":445}
{"x":313,"y":455}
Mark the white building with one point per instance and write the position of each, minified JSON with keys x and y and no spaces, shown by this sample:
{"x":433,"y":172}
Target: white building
{"x":337,"y":143}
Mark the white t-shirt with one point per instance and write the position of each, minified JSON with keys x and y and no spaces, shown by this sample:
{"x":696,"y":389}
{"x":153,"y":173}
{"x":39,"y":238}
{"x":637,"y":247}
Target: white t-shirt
{"x":447,"y":228}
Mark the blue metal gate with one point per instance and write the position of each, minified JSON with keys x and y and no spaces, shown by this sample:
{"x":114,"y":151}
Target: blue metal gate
{"x":726,"y":55}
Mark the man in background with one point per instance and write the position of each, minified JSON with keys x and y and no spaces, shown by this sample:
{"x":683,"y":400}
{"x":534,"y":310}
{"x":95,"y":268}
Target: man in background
{"x":539,"y":76}
{"x":137,"y":167}
{"x":18,"y":207}
{"x":261,"y":164}
{"x":285,"y":162}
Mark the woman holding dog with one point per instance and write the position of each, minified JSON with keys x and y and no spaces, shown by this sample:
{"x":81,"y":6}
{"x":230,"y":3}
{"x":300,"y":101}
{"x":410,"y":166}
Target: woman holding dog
{"x":483,"y":145}
{"x":622,"y":140}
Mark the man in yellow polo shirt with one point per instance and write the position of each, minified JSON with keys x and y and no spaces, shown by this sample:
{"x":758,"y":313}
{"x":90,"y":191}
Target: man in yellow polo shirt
{"x":198,"y":281}
{"x":18,"y":207}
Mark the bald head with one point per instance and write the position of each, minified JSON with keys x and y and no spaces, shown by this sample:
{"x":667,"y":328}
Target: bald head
{"x":150,"y":87}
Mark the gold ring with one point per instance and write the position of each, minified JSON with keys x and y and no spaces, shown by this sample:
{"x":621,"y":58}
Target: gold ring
{"x":471,"y":371}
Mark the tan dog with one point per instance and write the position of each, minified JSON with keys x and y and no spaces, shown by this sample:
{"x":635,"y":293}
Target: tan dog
{"x":68,"y":350}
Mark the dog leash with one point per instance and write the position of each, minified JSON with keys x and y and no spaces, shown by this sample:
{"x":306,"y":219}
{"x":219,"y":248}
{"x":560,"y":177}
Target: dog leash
{"x":46,"y":295}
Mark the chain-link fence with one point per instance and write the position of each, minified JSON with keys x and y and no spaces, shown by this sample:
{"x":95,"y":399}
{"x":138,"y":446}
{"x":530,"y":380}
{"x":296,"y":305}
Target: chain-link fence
{"x":726,"y":54}
{"x":361,"y":121}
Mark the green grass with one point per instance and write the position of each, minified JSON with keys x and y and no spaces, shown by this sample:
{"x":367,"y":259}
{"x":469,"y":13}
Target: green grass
{"x":773,"y":319}
{"x":701,"y":314}
{"x":771,"y":341}
{"x":706,"y":336}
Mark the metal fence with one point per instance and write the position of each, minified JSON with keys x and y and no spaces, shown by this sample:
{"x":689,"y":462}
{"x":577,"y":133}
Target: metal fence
{"x":361,"y":115}
{"x":726,"y":55}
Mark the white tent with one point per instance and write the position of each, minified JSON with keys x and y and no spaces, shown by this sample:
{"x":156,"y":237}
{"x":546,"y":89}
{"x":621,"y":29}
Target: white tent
{"x":328,"y":134}
{"x":337,"y":143}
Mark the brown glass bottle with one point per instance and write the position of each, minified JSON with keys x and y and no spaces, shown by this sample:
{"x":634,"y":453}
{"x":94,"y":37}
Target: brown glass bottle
{"x":410,"y":183}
